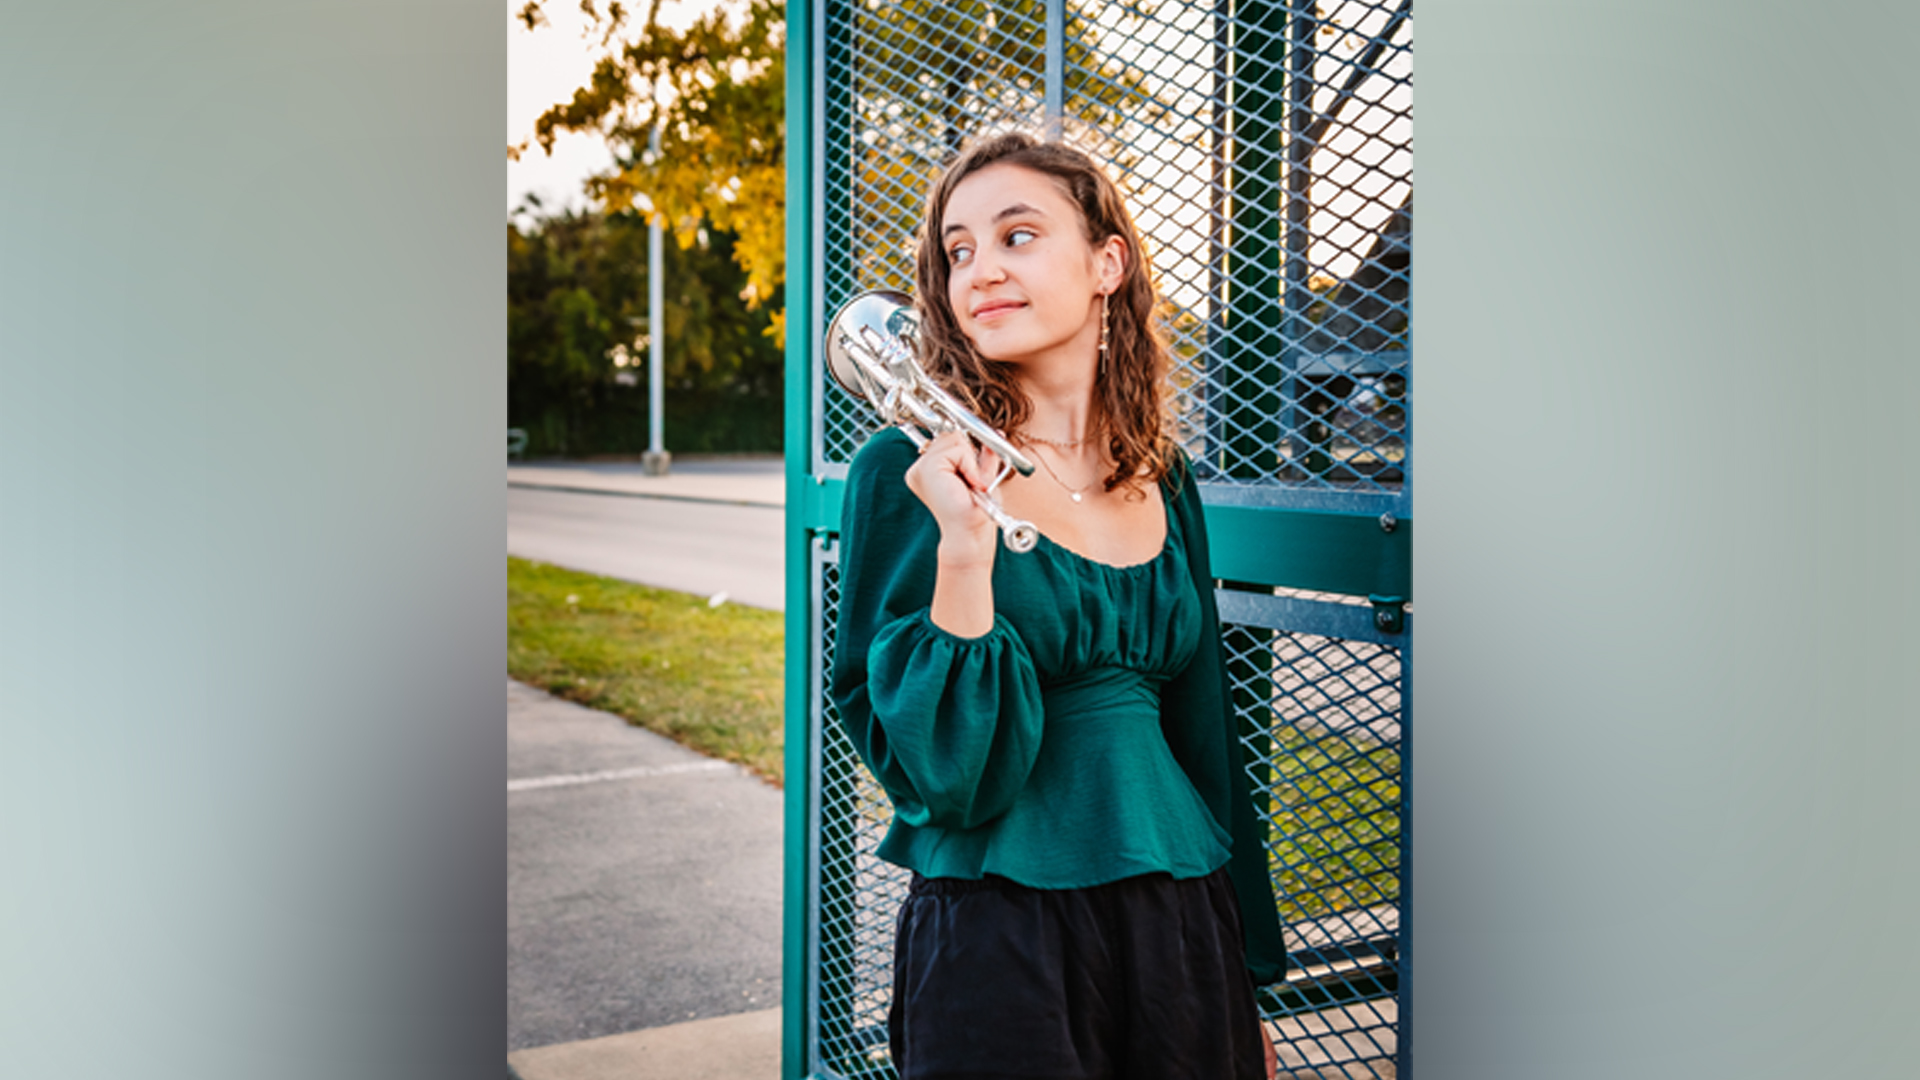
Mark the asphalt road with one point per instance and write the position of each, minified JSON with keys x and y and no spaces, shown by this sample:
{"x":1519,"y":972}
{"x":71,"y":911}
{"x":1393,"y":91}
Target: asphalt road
{"x":696,"y":547}
{"x":643,"y":879}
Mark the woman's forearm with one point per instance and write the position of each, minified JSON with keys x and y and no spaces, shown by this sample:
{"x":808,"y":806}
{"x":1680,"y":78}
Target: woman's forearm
{"x":963,"y":590}
{"x":945,"y":478}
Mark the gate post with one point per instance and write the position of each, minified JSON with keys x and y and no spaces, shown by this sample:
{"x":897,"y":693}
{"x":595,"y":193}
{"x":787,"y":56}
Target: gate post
{"x":795,"y":999}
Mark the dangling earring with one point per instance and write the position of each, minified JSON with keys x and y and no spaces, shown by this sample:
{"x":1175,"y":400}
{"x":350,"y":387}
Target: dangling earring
{"x":1104,"y":328}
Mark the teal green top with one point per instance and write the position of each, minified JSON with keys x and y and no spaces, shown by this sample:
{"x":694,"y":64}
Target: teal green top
{"x":1084,"y":739}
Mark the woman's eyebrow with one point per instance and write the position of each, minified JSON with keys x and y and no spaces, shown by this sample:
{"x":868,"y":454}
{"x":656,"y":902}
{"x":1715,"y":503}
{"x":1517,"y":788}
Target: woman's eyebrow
{"x":1014,"y":210}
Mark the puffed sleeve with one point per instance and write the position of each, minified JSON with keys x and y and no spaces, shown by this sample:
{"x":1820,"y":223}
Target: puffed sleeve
{"x":949,"y":726}
{"x":1197,"y":719}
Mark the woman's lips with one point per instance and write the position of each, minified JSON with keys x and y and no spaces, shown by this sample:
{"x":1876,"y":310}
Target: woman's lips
{"x":998,"y":307}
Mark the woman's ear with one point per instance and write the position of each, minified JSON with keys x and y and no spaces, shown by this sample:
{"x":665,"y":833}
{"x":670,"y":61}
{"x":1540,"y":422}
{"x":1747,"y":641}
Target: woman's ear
{"x":1112,"y":259}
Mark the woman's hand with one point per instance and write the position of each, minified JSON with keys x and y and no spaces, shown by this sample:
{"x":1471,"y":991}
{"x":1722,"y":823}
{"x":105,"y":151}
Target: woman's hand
{"x":951,"y":468}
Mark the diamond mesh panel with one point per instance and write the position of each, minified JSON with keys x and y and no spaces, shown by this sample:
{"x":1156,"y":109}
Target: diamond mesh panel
{"x":1266,"y":152}
{"x":907,"y":83}
{"x":859,"y":895}
{"x":1265,"y":149}
{"x":1322,"y":730}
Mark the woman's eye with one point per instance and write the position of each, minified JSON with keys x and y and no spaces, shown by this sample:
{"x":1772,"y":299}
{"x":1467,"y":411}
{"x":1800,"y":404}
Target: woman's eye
{"x":1019,"y":236}
{"x":958,"y":254}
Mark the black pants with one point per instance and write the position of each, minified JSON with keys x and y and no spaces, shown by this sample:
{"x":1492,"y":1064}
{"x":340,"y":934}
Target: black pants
{"x":1139,"y":979}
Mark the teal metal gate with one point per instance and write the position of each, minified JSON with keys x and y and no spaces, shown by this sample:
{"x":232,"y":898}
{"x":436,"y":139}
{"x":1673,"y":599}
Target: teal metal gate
{"x":1266,"y":152}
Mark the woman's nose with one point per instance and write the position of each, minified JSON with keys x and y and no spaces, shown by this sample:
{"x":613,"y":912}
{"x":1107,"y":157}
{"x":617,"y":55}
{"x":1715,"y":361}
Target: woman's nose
{"x":986,"y":269}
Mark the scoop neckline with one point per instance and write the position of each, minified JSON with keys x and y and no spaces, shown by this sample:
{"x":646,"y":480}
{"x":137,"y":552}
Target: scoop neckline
{"x":1166,"y":541}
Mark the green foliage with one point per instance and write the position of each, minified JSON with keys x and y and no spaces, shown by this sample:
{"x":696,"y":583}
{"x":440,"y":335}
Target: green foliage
{"x":716,"y":94}
{"x":707,"y":677}
{"x":577,"y":301}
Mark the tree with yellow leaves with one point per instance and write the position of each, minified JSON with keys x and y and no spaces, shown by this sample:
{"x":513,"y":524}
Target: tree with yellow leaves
{"x":716,"y":96}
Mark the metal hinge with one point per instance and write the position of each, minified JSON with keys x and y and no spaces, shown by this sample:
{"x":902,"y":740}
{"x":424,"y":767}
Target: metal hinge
{"x":1389,"y":613}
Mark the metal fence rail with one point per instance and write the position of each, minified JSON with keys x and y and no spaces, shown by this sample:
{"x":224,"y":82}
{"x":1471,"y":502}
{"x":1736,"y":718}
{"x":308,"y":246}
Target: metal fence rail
{"x":1265,"y":149}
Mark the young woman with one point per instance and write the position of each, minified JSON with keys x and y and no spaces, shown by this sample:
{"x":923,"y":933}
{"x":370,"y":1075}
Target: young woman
{"x":1052,"y":727}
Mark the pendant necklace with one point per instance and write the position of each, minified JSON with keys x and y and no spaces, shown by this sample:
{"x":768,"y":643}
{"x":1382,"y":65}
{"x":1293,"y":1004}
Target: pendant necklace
{"x":1071,"y":492}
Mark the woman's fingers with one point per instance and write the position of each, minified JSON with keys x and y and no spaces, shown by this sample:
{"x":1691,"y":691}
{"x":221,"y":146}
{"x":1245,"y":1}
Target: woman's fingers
{"x":946,"y":477}
{"x":973,"y":464}
{"x":987,"y":466}
{"x":943,"y":474}
{"x":954,"y":453}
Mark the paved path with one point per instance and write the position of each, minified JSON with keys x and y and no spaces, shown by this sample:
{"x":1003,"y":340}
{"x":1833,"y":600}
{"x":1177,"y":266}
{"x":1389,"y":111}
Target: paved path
{"x":643,"y":885}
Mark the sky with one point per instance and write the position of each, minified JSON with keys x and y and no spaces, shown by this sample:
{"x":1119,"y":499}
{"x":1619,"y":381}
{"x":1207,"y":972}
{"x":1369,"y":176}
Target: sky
{"x":544,"y":66}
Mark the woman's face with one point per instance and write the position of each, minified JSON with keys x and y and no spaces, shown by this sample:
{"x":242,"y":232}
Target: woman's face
{"x":1023,"y":279}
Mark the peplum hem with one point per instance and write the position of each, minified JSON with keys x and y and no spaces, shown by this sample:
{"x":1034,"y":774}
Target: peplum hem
{"x":933,"y":853}
{"x":1103,"y":777}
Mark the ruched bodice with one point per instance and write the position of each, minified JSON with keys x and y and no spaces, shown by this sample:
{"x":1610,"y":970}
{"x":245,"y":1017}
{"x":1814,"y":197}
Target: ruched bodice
{"x":1089,"y":615}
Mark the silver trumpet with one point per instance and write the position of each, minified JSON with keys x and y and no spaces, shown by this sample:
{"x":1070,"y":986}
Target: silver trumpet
{"x":873,"y":347}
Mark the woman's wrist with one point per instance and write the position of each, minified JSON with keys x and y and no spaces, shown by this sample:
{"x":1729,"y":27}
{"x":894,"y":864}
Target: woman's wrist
{"x":963,"y":589}
{"x":973,"y":550}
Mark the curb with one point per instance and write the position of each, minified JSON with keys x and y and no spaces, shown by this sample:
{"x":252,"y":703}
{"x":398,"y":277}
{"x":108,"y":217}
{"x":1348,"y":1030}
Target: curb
{"x":579,"y":490}
{"x":740,"y":1046}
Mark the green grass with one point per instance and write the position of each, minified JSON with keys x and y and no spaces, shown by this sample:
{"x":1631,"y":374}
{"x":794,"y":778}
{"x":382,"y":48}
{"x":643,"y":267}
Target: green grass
{"x":1336,"y":819}
{"x":706,"y":677}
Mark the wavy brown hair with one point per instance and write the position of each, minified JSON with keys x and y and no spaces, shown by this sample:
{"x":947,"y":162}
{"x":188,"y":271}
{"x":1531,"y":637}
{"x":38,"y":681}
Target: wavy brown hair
{"x":1129,"y":401}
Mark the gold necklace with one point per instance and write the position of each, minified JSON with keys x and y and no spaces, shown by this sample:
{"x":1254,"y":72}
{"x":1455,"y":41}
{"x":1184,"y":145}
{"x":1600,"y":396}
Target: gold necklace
{"x":1071,"y":493}
{"x":1057,"y":444}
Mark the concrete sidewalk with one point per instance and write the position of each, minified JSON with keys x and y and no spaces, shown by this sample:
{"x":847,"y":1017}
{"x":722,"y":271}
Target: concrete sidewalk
{"x":746,"y":481}
{"x":643,"y":903}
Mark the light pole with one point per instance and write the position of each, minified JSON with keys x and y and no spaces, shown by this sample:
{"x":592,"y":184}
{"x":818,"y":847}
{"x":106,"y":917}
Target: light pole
{"x":657,"y":461}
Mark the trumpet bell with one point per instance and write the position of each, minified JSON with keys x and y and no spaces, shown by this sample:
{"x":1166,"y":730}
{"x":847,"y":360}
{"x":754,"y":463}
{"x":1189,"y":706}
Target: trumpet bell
{"x":884,"y":312}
